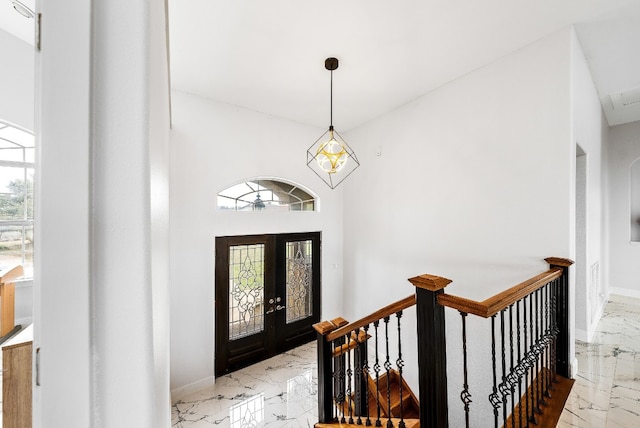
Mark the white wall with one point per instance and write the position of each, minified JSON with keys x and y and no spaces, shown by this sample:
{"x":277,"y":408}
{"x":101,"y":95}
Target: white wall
{"x":214,"y":145}
{"x":101,"y":313}
{"x":624,"y":269}
{"x":588,"y":127}
{"x":479,"y":171}
{"x":16,"y":81}
{"x":62,"y":253}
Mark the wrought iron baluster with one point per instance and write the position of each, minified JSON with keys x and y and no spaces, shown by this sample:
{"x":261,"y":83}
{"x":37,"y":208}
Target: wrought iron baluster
{"x":465,"y":396}
{"x":540,"y":303}
{"x":349,"y":374}
{"x":538,"y":349}
{"x":357,"y":382}
{"x":511,"y":368}
{"x":532,"y":362}
{"x":366,"y":377}
{"x":400,"y":364}
{"x":493,"y":397}
{"x":387,"y":367}
{"x":549,"y":334}
{"x":525,"y":360}
{"x":554,"y":330}
{"x":339,"y":380}
{"x":520,"y":363}
{"x":503,"y":384}
{"x":376,"y":368}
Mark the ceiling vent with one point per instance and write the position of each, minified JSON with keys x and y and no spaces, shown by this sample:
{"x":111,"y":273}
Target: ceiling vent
{"x":628,"y":98}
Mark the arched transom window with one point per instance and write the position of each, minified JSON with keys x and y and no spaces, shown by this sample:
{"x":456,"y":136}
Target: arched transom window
{"x":266,"y":194}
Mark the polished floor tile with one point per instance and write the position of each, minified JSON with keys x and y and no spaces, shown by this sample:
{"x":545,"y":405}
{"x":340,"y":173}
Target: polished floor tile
{"x":279,"y":392}
{"x":607,"y":388}
{"x":282,"y":391}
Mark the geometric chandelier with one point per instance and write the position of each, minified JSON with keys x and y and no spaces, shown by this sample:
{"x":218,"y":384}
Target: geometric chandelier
{"x":330,"y":157}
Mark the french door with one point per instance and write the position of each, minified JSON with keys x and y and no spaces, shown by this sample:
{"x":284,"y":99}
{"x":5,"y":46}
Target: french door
{"x":267,"y":296}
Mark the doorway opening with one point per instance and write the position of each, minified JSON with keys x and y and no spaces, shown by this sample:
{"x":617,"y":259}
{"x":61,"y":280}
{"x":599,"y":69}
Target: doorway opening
{"x":267,"y":290}
{"x":582,"y":296}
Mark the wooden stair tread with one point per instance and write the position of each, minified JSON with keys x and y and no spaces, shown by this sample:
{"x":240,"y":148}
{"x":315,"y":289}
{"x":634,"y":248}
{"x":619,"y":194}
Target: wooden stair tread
{"x":410,"y":405}
{"x":552,"y":410}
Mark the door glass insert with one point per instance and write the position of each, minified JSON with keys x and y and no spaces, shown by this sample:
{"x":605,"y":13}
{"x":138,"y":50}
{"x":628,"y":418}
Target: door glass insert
{"x":246,"y":290}
{"x":298,"y":280}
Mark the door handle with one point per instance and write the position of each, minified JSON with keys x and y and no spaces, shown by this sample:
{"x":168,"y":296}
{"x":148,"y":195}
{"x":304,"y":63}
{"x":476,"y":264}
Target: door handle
{"x":280,"y":307}
{"x":270,"y":311}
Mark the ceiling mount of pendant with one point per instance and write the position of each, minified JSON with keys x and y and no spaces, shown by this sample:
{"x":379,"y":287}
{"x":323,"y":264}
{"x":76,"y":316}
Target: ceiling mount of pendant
{"x":331,"y":63}
{"x":330,"y":157}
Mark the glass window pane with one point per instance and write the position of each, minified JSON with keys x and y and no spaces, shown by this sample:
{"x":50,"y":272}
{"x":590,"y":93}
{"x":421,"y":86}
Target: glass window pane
{"x":246,"y":290}
{"x":16,"y":247}
{"x":12,"y":154}
{"x":16,"y":194}
{"x":17,"y":136}
{"x":30,"y":155}
{"x":16,"y":197}
{"x":299,"y":276}
{"x":268,"y":194}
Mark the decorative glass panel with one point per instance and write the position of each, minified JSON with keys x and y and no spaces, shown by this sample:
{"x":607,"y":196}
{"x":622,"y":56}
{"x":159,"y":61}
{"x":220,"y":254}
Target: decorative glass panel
{"x":246,"y":290}
{"x":298,"y":285}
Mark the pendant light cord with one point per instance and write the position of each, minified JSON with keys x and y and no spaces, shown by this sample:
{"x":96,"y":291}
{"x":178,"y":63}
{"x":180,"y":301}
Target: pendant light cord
{"x":331,"y":103}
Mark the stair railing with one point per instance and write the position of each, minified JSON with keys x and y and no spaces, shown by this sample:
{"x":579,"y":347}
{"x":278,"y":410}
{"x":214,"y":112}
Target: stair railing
{"x":529,"y":349}
{"x":355,"y":387}
{"x":529,"y":355}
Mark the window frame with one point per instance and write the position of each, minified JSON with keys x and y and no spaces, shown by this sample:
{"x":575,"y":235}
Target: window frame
{"x":26,"y":222}
{"x":256,"y":186}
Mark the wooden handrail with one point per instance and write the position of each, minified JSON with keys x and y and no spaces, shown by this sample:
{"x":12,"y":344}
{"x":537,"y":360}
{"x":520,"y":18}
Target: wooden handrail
{"x":491,"y":306}
{"x":388,"y":310}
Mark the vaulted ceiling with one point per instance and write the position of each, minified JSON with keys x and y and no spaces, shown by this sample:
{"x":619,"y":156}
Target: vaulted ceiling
{"x":268,"y":55}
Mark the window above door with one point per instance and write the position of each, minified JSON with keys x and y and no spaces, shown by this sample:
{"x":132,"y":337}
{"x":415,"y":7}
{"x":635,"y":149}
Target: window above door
{"x":266,"y":194}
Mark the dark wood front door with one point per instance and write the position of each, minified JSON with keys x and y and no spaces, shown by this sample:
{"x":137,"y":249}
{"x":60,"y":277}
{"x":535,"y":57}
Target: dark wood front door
{"x":267,"y":296}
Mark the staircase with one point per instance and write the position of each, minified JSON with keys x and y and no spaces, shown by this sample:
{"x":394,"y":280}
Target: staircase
{"x":388,"y":397}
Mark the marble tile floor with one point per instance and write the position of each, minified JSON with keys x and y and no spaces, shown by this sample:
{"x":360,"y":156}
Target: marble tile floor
{"x":282,"y":391}
{"x":607,"y":389}
{"x":278,"y":392}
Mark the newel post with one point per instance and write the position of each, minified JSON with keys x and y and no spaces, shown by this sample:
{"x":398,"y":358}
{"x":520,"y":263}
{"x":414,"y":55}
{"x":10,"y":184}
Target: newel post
{"x":432,"y":351}
{"x":325,"y":372}
{"x":561,"y":296}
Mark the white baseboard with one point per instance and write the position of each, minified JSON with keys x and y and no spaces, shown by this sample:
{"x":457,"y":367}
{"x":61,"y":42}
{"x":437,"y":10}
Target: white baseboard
{"x":587,"y":336}
{"x":583,"y":336}
{"x":182,"y":391}
{"x":574,"y":368}
{"x":625,"y":292}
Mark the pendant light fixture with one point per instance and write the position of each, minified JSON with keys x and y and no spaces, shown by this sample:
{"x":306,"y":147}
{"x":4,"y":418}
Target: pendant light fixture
{"x":330,"y":157}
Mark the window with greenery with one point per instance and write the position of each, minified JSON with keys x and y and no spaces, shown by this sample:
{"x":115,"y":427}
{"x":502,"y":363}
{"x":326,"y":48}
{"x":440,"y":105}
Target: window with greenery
{"x":16,"y":197}
{"x":265,"y":194}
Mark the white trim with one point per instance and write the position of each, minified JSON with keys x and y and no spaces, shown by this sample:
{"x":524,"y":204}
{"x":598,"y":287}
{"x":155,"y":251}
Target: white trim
{"x":583,"y":336}
{"x":587,"y":336}
{"x":625,"y":292}
{"x":182,"y":391}
{"x":574,"y":368}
